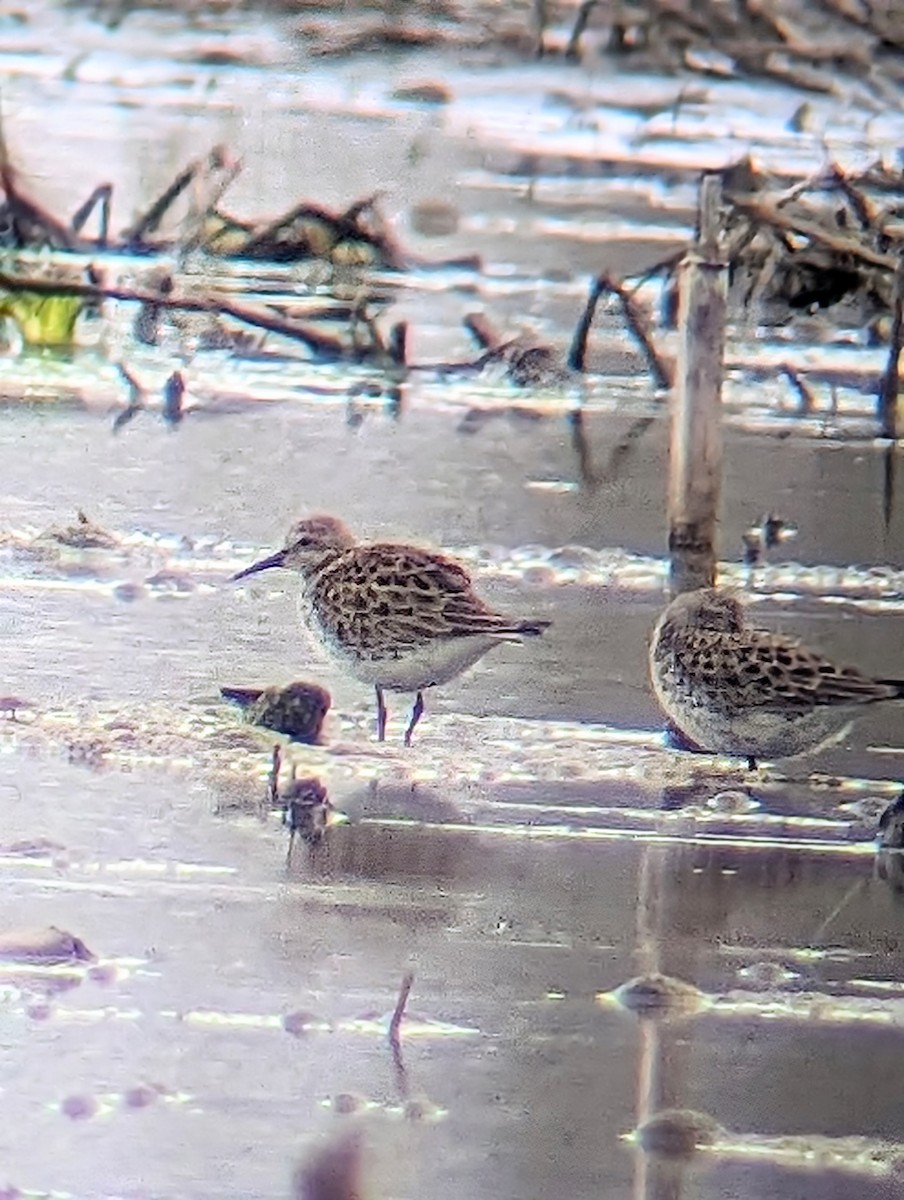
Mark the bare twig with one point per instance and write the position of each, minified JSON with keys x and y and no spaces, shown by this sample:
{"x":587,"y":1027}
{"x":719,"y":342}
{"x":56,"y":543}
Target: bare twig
{"x":395,"y":1043}
{"x":323,"y":345}
{"x":798,"y":382}
{"x":137,"y":395}
{"x":863,"y":209}
{"x":577,"y":354}
{"x":397,"y":345}
{"x":761,"y":209}
{"x":573,"y":49}
{"x":399,"y":1011}
{"x":193,"y":228}
{"x":100,"y":196}
{"x":149,"y":221}
{"x":638,"y":325}
{"x":28,"y":216}
{"x":482,"y":331}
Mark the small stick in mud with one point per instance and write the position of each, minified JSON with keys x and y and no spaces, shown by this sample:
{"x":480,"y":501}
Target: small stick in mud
{"x":137,"y":395}
{"x":765,"y":535}
{"x":573,"y":49}
{"x":577,"y":354}
{"x":803,"y":389}
{"x":482,"y":331}
{"x":173,"y":395}
{"x":395,"y":1043}
{"x":397,"y":344}
{"x":399,"y":1011}
{"x":273,"y":781}
{"x":695,"y":458}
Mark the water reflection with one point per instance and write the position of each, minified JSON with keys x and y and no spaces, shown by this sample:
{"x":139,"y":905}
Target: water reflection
{"x":524,"y":938}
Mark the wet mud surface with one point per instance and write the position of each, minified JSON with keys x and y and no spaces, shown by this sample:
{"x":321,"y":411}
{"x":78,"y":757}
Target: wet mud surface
{"x":539,"y":845}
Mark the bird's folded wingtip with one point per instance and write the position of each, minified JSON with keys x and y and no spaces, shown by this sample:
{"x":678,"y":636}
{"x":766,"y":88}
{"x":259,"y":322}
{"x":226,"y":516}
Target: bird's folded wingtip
{"x":534,"y":628}
{"x":897,"y":684}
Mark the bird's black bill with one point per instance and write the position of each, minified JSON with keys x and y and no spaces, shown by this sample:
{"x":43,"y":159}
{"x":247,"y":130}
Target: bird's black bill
{"x":275,"y":560}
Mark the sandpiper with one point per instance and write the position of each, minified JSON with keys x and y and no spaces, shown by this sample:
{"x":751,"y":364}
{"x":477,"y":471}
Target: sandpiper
{"x":307,"y":811}
{"x":735,"y":690}
{"x":891,"y":825}
{"x":397,"y":617}
{"x":298,"y":709}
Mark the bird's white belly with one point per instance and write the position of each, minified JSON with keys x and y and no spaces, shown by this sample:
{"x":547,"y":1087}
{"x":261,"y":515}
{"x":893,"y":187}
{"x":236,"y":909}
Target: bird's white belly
{"x":762,"y":733}
{"x":429,"y":665}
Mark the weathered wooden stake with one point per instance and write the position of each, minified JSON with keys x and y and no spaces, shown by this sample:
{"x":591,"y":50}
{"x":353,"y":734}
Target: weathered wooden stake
{"x":695,"y":460}
{"x":538,"y":25}
{"x":890,"y":413}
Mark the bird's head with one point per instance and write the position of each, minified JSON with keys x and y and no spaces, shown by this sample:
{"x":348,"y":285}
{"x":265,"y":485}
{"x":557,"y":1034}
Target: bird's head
{"x":707,"y":608}
{"x":308,"y":544}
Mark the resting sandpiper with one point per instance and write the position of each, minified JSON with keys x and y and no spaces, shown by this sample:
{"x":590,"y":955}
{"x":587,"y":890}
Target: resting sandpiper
{"x":891,"y":825}
{"x":397,"y":617}
{"x":298,"y":709}
{"x":736,"y":690}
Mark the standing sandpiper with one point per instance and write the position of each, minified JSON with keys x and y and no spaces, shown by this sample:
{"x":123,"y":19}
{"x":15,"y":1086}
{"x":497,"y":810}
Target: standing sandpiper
{"x":735,"y":690}
{"x":397,"y":617}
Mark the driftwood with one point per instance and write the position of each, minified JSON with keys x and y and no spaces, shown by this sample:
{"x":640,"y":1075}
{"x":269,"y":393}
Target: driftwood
{"x":831,"y":245}
{"x":324,"y":345}
{"x":354,"y":237}
{"x":828,"y":239}
{"x":824,"y":47}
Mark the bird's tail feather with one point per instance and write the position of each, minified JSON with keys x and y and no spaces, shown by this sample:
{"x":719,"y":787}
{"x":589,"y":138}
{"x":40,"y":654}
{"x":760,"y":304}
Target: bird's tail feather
{"x":241,"y":696}
{"x":897,"y":684}
{"x":494,"y":626}
{"x":531,"y":628}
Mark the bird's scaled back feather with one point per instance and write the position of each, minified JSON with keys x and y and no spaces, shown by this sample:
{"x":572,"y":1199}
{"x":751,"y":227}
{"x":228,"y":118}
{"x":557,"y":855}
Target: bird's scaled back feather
{"x":381,"y":594}
{"x":756,"y":669}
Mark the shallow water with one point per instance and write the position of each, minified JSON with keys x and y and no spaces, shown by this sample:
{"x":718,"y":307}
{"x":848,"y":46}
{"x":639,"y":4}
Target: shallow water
{"x":539,"y":845}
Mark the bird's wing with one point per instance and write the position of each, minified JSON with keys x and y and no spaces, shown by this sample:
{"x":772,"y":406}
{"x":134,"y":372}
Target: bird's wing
{"x":757,"y":669}
{"x":392,"y":594}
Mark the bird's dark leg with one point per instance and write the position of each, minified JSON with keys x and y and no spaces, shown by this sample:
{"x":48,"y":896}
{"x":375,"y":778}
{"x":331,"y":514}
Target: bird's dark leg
{"x":381,"y":715}
{"x":751,"y":763}
{"x":416,"y":714}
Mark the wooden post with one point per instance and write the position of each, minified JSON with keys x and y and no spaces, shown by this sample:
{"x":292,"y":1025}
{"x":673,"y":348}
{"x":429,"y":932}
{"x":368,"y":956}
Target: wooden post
{"x":695,"y":449}
{"x":538,"y":24}
{"x":890,"y":415}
